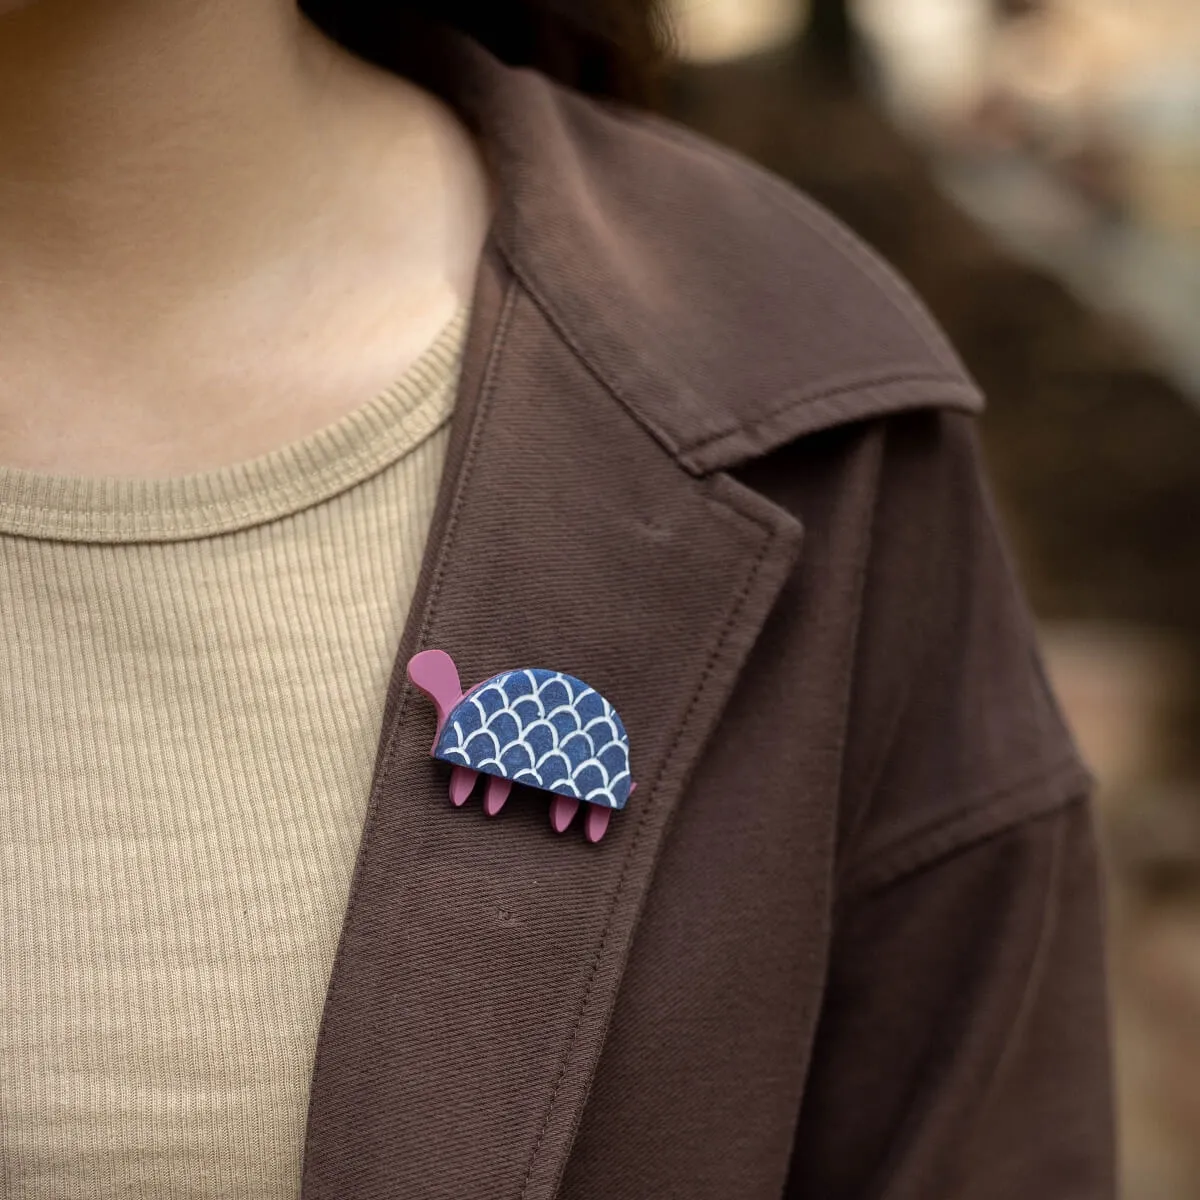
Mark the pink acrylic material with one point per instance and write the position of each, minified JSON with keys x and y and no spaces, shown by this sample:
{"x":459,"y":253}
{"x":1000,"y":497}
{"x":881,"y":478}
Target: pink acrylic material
{"x":462,"y":780}
{"x":596,"y":824}
{"x":434,"y":672}
{"x":496,"y":794}
{"x":562,"y":812}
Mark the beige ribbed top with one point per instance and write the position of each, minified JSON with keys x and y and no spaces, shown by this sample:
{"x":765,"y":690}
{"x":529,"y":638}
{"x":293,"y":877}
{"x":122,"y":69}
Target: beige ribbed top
{"x":192,"y":681}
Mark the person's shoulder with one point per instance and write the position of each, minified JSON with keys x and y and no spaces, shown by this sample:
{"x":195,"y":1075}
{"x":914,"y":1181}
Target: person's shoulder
{"x":770,"y":316}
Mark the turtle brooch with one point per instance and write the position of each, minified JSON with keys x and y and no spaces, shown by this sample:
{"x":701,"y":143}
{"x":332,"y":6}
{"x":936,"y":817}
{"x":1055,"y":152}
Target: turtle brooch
{"x":535,"y":727}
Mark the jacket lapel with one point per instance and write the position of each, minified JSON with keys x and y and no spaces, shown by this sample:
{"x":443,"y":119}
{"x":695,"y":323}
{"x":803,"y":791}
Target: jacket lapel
{"x":480,"y":958}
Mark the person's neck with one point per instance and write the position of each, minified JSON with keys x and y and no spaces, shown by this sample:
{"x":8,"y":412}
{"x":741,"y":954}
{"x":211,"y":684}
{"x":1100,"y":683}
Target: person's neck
{"x":152,"y":136}
{"x":217,"y":231}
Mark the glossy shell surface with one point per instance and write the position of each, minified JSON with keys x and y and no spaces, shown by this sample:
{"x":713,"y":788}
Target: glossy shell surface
{"x":543,"y":729}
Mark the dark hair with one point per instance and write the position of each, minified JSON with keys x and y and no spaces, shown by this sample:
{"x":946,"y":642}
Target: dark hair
{"x":610,"y":48}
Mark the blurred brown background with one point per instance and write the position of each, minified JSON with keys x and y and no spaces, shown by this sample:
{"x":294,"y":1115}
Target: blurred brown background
{"x":1033,"y":168}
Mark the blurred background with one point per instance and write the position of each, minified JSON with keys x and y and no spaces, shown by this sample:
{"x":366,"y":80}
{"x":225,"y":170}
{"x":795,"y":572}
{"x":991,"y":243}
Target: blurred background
{"x":1033,"y":168}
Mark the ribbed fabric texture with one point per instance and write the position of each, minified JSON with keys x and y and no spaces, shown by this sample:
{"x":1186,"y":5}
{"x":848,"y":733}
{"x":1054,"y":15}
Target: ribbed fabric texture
{"x":193,"y":681}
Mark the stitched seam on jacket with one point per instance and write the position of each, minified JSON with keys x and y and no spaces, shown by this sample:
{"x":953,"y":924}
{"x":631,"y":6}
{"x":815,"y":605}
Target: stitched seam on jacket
{"x":863,"y":575}
{"x":668,"y":761}
{"x":681,"y":451}
{"x":1034,"y":796}
{"x":367,"y":840}
{"x":1035,"y":959}
{"x":799,"y":399}
{"x":547,"y":310}
{"x":1037,"y":963}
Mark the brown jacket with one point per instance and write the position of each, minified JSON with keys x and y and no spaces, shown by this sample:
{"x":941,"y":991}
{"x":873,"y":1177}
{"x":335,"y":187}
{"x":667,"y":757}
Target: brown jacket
{"x":845,"y":942}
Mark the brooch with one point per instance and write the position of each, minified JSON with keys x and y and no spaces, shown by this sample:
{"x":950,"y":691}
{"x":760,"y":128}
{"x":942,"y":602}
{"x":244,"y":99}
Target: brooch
{"x":536,"y":727}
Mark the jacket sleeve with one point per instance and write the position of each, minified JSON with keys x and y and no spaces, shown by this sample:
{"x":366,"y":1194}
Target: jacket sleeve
{"x":963,"y":1044}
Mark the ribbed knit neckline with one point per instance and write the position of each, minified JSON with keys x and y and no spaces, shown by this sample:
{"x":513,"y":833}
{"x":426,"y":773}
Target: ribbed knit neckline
{"x":296,"y":476}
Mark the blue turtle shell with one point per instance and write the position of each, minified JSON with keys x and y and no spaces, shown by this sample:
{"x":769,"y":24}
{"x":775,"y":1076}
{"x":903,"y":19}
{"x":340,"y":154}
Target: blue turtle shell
{"x":544,"y":729}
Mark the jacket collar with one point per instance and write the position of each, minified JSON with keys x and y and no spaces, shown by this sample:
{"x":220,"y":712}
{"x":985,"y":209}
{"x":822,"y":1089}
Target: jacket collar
{"x":582,"y":525}
{"x":724,"y":310}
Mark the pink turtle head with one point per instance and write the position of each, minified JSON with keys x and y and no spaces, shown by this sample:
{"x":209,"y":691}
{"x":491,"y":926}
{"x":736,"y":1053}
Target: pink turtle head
{"x":434,"y":672}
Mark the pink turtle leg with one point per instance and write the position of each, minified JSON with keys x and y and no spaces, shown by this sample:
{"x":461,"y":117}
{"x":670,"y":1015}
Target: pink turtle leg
{"x":596,"y":824}
{"x":562,"y":812}
{"x":462,"y":780}
{"x":496,"y":794}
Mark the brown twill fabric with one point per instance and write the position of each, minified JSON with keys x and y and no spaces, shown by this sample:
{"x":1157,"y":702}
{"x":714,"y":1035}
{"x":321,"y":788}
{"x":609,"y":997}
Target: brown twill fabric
{"x":845,"y":943}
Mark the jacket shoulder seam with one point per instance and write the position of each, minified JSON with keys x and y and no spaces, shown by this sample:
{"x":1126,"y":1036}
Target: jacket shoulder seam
{"x":1030,"y":798}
